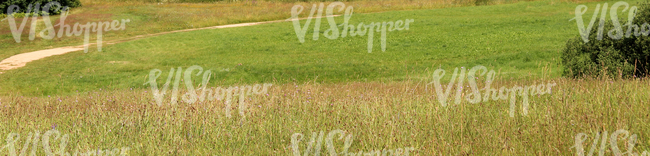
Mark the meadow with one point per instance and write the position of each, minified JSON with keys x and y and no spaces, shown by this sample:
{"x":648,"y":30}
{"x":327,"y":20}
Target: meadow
{"x":378,"y":115}
{"x":150,"y":17}
{"x":514,"y":38}
{"x":384,"y":99}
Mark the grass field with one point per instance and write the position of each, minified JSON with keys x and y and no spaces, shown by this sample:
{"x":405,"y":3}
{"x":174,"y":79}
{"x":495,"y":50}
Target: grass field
{"x":378,"y":115}
{"x":490,"y":36}
{"x":384,"y":99}
{"x":150,"y":18}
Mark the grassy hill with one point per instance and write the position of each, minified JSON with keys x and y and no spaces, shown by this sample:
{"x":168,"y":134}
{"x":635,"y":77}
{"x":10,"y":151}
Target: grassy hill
{"x":517,"y":39}
{"x":384,"y":100}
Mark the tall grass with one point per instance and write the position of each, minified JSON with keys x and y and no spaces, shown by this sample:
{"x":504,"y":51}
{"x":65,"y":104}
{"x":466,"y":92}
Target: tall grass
{"x":379,"y":115}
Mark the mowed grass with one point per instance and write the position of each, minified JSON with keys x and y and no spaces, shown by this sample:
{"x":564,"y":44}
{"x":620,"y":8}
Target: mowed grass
{"x":378,"y":115}
{"x":148,"y":17}
{"x":517,"y":39}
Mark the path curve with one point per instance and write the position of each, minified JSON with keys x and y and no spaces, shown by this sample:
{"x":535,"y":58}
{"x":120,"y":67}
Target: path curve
{"x":20,"y":60}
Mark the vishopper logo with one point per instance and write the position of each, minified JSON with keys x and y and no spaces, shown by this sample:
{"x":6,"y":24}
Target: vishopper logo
{"x":75,"y":30}
{"x":192,"y":96}
{"x":35,"y":140}
{"x":475,"y":96}
{"x":617,"y":32}
{"x":602,"y":137}
{"x":348,"y":29}
{"x":317,"y":138}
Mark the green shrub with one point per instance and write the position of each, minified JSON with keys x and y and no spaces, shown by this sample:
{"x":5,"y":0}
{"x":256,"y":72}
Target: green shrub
{"x":24,"y":4}
{"x":625,"y":57}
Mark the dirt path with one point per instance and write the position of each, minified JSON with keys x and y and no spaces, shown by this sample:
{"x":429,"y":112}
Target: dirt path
{"x":21,"y":60}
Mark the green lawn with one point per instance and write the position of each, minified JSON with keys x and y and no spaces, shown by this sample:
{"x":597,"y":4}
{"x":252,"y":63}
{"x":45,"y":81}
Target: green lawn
{"x":514,"y":38}
{"x":148,"y":17}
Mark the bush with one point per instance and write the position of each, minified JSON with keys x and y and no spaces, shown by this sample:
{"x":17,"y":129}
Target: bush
{"x":24,"y":4}
{"x":617,"y":58}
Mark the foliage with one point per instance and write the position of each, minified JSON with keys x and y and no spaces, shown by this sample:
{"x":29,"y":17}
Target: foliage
{"x":624,"y":58}
{"x":23,"y":5}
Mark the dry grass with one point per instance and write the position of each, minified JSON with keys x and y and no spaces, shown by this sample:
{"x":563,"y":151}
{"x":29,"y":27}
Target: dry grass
{"x":380,"y":115}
